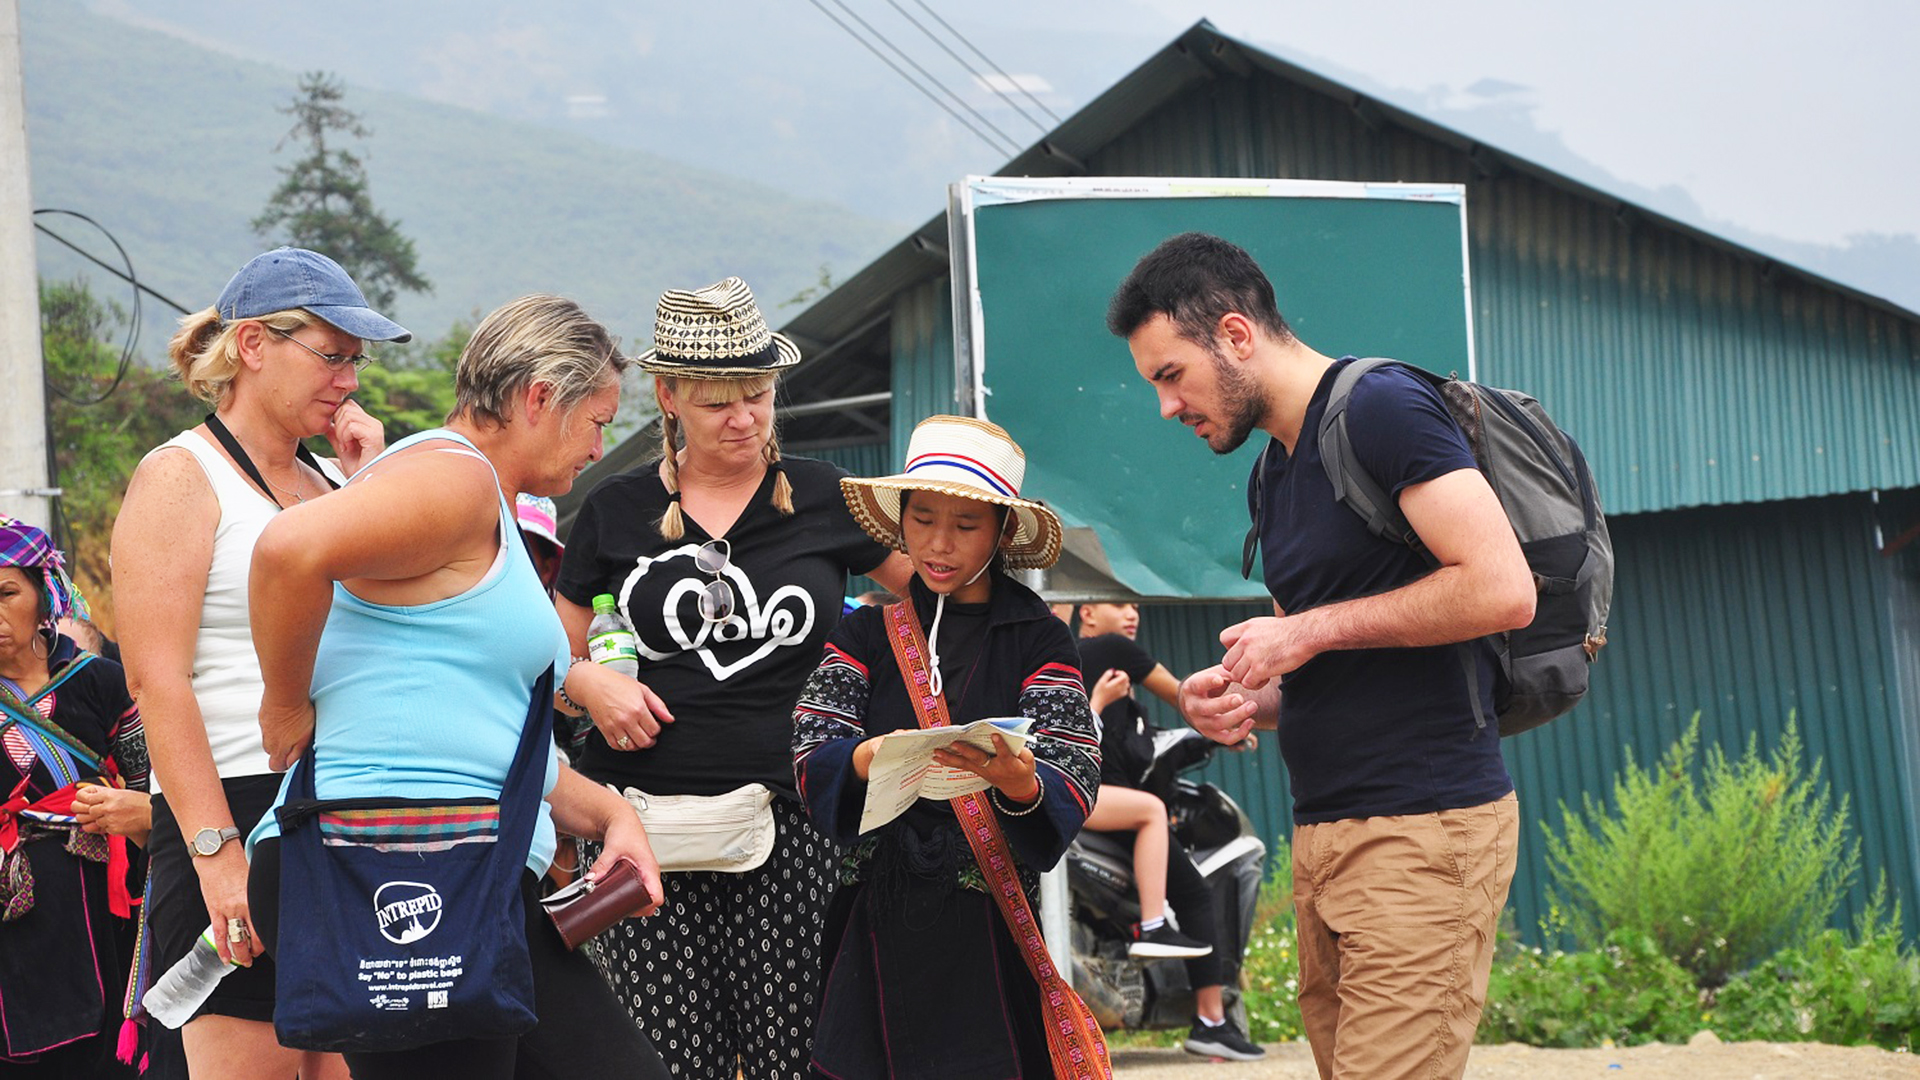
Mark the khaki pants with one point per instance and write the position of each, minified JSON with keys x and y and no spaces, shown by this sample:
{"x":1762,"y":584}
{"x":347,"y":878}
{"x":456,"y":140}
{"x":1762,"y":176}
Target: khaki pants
{"x":1397,"y":918}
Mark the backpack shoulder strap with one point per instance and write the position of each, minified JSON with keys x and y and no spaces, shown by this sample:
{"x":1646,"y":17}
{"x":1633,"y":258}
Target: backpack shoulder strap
{"x":1258,"y":498}
{"x":1352,"y":484}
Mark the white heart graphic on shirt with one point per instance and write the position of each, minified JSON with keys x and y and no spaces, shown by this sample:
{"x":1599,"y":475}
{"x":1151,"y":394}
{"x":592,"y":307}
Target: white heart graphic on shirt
{"x":785,"y":619}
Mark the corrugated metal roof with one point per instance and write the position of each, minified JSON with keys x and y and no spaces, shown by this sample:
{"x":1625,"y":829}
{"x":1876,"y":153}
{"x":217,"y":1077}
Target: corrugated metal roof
{"x":1688,"y":374}
{"x":1204,"y":54}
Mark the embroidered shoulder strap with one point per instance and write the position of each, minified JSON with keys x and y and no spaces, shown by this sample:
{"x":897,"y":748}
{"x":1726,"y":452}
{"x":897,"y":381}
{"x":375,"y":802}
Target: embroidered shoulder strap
{"x":15,"y":710}
{"x":1074,"y":1041}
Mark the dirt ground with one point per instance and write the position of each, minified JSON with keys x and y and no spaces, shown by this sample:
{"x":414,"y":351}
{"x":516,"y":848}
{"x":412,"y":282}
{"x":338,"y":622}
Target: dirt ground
{"x":1513,"y":1061}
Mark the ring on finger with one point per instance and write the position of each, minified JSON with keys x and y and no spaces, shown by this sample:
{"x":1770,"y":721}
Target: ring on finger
{"x":236,"y":931}
{"x":626,"y":743}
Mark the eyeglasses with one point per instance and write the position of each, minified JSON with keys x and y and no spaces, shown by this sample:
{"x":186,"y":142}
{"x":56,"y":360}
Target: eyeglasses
{"x":716,"y":600}
{"x":333,"y":361}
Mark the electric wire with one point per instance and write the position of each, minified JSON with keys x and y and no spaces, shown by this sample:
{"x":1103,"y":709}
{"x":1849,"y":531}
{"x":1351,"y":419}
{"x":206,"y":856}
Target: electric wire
{"x":116,"y":272}
{"x":133,"y":314}
{"x":1013,"y":145}
{"x":1010,"y":148}
{"x":978,"y":76}
{"x":988,"y":60}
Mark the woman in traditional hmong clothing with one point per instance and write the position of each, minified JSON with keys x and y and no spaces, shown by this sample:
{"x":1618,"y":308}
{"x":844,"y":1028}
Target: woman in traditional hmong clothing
{"x":937,"y":968}
{"x":73,"y":776}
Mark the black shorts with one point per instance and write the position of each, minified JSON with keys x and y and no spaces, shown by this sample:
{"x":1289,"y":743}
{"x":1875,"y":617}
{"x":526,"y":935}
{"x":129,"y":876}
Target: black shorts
{"x":178,"y":912}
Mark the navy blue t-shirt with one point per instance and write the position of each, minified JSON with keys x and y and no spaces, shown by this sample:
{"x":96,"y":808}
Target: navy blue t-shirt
{"x":1368,"y":732}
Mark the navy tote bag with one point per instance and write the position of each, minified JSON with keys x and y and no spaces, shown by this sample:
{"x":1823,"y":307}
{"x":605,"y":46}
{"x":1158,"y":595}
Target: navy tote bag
{"x":401,"y":922}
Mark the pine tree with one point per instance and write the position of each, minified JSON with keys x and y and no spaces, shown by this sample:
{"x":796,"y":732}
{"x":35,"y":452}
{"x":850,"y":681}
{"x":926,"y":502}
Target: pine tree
{"x":322,"y":201}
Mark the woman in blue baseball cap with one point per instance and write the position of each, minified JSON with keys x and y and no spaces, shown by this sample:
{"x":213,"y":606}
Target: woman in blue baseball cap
{"x":277,"y":357}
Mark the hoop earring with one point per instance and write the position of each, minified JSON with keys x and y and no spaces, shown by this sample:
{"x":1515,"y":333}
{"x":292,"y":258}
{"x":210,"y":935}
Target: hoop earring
{"x":39,"y":646}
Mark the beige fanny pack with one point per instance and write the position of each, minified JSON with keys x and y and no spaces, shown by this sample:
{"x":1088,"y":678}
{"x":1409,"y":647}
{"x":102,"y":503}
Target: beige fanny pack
{"x":731,"y":833}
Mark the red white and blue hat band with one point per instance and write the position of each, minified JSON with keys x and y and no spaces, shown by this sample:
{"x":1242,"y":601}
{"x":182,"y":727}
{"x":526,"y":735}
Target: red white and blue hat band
{"x":944,"y":466}
{"x":970,"y":459}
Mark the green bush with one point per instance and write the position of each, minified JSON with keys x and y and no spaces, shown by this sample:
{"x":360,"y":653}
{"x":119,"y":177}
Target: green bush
{"x":1627,"y":992}
{"x":1717,"y":881}
{"x":1863,"y":988}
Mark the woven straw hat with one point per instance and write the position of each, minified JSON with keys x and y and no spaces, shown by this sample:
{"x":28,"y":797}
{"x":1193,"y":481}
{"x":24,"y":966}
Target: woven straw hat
{"x":970,"y":458}
{"x":715,"y":333}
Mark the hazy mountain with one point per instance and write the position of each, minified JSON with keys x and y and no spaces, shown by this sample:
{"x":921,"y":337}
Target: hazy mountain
{"x":170,"y":145}
{"x":778,"y":93}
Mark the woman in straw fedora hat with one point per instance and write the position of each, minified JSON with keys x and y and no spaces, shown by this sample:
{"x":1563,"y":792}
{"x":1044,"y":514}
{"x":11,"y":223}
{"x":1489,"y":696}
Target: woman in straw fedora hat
{"x":730,"y":562}
{"x":937,"y":966}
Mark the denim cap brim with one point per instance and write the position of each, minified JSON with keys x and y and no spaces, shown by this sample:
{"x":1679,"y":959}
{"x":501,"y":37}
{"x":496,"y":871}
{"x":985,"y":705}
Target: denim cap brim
{"x":287,"y":278}
{"x":363,"y":323}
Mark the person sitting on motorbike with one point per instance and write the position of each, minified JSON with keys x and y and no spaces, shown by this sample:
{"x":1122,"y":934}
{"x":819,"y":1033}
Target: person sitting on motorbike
{"x":1114,"y":663}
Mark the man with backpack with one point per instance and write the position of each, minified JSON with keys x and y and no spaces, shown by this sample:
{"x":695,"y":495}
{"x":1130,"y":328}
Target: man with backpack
{"x":1406,"y":825}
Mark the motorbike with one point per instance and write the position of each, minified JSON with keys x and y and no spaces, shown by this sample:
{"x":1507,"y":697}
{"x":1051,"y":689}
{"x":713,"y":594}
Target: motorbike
{"x":1125,"y":992}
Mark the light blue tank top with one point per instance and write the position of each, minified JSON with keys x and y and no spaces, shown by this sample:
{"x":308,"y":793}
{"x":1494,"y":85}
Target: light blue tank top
{"x":427,"y":701}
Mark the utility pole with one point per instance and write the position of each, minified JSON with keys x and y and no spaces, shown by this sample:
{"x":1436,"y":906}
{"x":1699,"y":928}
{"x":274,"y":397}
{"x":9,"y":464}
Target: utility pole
{"x":23,"y":385}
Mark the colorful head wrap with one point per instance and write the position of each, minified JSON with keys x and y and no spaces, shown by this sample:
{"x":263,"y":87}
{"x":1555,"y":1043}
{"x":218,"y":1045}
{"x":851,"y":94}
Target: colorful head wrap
{"x":29,"y":548}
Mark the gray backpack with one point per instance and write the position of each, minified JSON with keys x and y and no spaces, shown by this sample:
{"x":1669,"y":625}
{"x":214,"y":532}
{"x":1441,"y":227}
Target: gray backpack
{"x":1548,"y":492}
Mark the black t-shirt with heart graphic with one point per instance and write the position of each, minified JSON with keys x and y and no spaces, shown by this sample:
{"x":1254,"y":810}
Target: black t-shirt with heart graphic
{"x":731,"y":686}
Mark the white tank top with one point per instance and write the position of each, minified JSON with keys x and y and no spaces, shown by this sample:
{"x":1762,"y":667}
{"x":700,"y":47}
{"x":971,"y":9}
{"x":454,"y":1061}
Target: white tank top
{"x":226,"y":670}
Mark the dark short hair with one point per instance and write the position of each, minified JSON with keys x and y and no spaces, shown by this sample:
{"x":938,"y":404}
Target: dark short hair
{"x":1195,"y":279}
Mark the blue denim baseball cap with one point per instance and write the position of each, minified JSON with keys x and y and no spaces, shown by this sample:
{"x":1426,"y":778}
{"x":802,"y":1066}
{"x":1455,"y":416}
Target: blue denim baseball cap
{"x":287,"y":278}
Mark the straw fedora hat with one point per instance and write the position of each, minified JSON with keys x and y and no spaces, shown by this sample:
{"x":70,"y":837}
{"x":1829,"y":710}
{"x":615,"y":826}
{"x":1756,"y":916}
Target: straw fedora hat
{"x":970,"y":458}
{"x":715,"y":333}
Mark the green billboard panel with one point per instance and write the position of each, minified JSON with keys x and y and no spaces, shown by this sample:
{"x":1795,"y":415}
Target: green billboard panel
{"x":1359,"y":269}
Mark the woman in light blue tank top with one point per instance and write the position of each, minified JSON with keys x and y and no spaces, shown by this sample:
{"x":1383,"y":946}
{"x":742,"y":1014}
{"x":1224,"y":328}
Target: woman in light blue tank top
{"x":401,"y":634}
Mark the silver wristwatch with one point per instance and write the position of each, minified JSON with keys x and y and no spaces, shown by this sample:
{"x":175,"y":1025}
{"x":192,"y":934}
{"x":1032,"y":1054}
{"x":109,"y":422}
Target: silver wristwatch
{"x":208,"y":842}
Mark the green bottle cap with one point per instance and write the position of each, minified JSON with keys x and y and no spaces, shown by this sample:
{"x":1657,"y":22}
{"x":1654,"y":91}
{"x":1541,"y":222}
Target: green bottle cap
{"x":603,"y":604}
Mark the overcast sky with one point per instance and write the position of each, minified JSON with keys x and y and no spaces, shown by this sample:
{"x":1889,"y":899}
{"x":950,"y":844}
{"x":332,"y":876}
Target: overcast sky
{"x":1798,"y":119}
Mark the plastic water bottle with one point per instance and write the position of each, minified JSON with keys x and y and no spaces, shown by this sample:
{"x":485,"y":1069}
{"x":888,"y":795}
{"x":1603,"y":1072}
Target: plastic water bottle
{"x":610,"y":641}
{"x":174,"y":996}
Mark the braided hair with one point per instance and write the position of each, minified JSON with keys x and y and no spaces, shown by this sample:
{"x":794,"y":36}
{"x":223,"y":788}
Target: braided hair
{"x":695,"y":391}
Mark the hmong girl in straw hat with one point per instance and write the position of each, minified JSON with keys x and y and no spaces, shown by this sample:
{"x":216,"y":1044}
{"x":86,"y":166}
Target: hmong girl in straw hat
{"x":730,"y":561}
{"x":936,"y":963}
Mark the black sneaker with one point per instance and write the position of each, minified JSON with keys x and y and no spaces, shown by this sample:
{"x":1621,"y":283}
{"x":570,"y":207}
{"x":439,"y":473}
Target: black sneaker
{"x":1224,"y":1041}
{"x":1165,"y":942}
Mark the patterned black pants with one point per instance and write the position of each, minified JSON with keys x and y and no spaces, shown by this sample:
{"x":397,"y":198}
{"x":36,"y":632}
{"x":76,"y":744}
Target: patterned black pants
{"x":725,"y":977}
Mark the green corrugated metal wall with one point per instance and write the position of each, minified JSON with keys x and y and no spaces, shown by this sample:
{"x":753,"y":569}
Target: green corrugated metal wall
{"x":922,"y":360}
{"x":863,"y":459}
{"x":1746,"y":615}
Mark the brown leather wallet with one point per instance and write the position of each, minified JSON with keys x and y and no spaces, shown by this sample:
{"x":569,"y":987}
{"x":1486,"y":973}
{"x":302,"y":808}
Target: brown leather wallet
{"x":587,"y":907}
